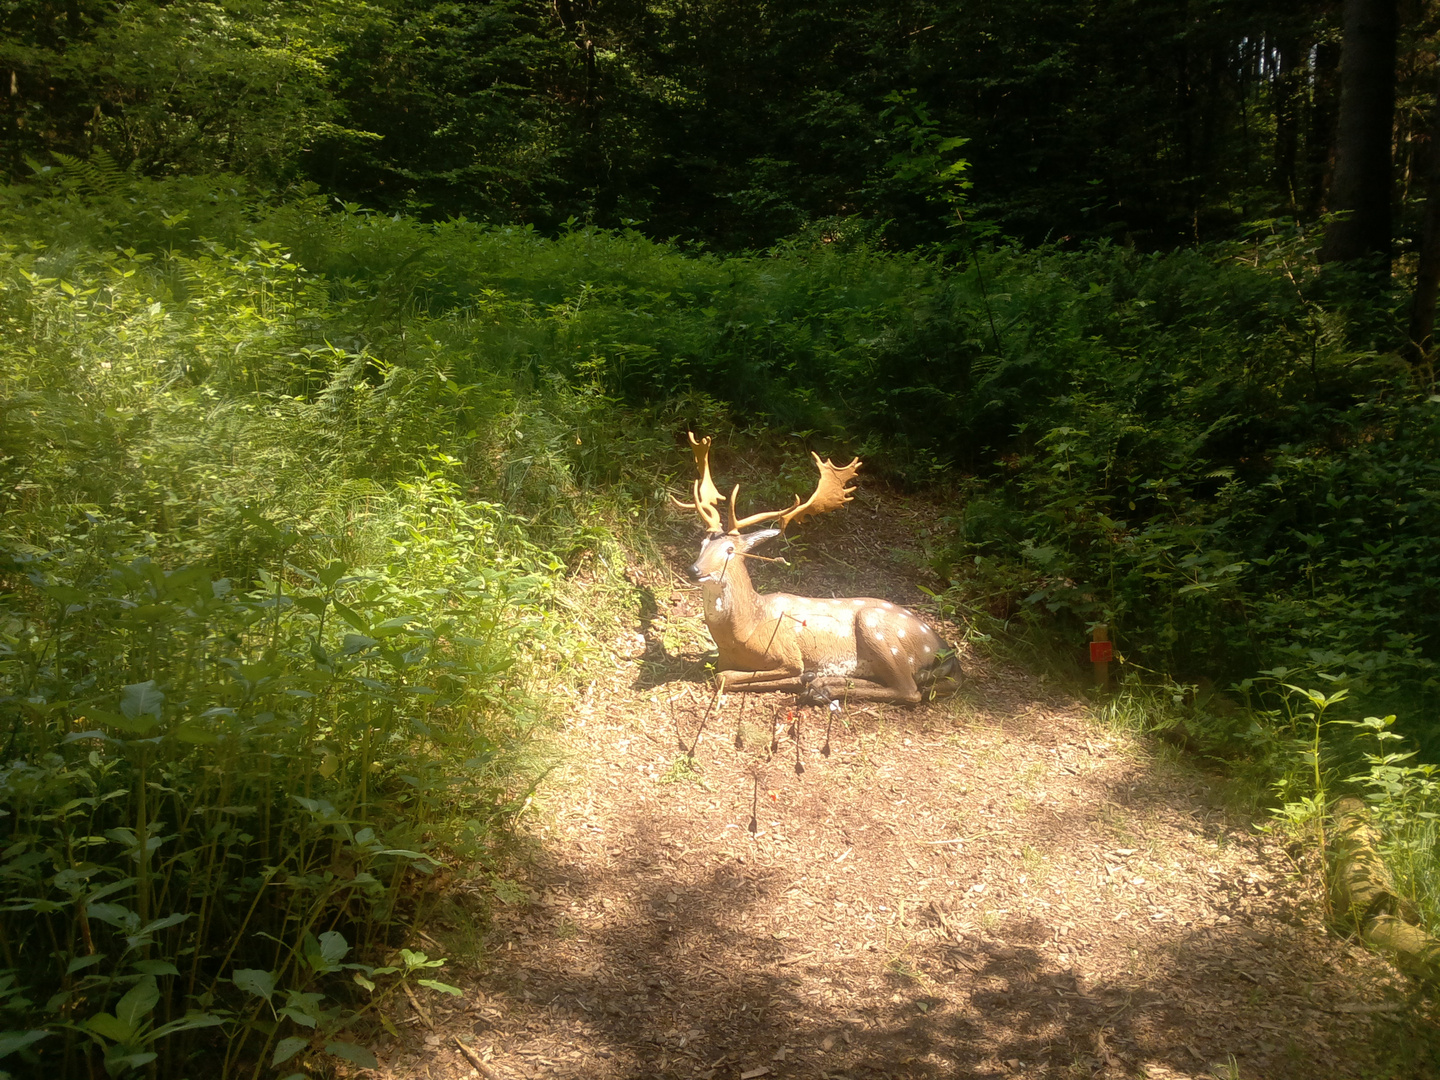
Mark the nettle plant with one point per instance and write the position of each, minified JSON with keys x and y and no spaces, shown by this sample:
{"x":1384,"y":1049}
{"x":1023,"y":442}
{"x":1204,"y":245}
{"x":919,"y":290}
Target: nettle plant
{"x":216,"y":801}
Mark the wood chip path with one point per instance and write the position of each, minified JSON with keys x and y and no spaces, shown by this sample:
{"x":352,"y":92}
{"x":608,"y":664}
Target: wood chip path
{"x":992,"y":886}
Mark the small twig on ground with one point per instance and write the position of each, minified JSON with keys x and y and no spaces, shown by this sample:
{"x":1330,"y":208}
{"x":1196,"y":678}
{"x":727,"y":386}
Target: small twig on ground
{"x":1370,"y":1007}
{"x":833,"y":709}
{"x":966,"y":839}
{"x":474,"y":1059}
{"x":675,"y":721}
{"x":739,"y":738}
{"x":419,"y":1009}
{"x":719,"y":693}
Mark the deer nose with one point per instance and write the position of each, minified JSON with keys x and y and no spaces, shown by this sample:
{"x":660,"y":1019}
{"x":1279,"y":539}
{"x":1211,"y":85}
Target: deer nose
{"x":695,"y":571}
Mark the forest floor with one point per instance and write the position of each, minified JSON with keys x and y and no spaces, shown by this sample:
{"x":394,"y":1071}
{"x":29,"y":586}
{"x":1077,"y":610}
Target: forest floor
{"x":990,"y":886}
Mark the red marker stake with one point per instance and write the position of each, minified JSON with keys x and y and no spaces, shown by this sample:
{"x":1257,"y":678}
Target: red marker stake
{"x":1101,"y":653}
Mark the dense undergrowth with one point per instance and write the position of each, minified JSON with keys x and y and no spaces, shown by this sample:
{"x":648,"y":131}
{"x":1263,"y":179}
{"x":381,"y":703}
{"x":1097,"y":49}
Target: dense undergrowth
{"x":307,"y":510}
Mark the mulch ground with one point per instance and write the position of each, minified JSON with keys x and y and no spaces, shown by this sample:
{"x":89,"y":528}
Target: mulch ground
{"x":992,"y":886}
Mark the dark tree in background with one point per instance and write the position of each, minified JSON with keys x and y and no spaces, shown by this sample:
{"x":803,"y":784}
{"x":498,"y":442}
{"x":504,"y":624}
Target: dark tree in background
{"x":1362,"y":185}
{"x":736,"y":123}
{"x":1427,"y":269}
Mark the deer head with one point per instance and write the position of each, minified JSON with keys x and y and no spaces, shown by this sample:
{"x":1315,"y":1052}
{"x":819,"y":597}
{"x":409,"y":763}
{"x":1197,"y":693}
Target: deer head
{"x":808,"y":645}
{"x":724,"y":542}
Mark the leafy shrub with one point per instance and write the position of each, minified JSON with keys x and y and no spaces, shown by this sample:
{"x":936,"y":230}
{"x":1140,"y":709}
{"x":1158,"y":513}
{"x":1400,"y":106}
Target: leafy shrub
{"x":266,"y":653}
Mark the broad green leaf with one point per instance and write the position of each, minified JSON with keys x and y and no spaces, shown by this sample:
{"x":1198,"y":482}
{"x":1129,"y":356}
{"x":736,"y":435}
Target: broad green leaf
{"x":444,"y":988}
{"x":356,"y":1055}
{"x":117,"y":1064}
{"x":257,"y":982}
{"x":141,"y":699}
{"x":111,"y":1027}
{"x":332,"y":573}
{"x":333,"y":946}
{"x":155,"y":967}
{"x":80,"y":963}
{"x":10,"y":1041}
{"x":303,"y":1008}
{"x":65,"y":594}
{"x":415,"y":959}
{"x":164,"y":922}
{"x":353,"y":617}
{"x":268,"y":528}
{"x":354,"y":643}
{"x":138,"y":1003}
{"x":112,"y":887}
{"x":194,"y":734}
{"x":390,"y":627}
{"x":406,"y":854}
{"x":286,"y":1049}
{"x":186,"y":1022}
{"x":137,"y":725}
{"x":315,"y":605}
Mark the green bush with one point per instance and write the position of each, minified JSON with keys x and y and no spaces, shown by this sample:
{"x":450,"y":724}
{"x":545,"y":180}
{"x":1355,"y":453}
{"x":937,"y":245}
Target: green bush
{"x":268,"y":652}
{"x":298,"y":504}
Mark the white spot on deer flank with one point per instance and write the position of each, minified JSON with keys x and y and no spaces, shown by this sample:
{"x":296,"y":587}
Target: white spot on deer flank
{"x":893,"y":650}
{"x":888,"y":604}
{"x":900,"y":632}
{"x":911,"y":660}
{"x":870,"y":619}
{"x":927,"y":648}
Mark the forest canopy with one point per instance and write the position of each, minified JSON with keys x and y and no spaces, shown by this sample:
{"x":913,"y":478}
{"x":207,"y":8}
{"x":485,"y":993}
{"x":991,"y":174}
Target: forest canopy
{"x":734,"y":123}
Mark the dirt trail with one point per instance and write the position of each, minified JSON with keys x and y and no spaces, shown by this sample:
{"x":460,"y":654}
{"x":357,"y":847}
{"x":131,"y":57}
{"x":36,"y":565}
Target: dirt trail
{"x":991,"y":886}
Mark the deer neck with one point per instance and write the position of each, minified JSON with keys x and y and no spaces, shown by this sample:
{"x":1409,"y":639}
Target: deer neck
{"x":731,"y":608}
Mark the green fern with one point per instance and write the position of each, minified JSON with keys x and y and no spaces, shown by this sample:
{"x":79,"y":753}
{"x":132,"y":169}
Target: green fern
{"x":97,"y":175}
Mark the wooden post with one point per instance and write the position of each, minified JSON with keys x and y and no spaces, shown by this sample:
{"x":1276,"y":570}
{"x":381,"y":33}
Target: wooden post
{"x":1101,"y":652}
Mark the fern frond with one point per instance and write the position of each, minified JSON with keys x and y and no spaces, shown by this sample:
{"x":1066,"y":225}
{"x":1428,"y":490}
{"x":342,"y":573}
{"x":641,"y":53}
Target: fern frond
{"x":108,"y":177}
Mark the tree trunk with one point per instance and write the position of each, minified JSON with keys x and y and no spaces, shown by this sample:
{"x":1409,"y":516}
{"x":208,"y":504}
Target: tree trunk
{"x":1320,"y":136}
{"x":1427,"y":273}
{"x":1361,"y":187}
{"x":1287,"y":87}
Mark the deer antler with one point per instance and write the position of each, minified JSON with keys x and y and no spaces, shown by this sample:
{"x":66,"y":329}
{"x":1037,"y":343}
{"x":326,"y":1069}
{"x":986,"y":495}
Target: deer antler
{"x":706,"y":495}
{"x":830,"y":494}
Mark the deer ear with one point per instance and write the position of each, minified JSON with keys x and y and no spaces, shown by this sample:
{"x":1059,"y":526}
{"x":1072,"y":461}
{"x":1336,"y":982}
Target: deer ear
{"x":754,"y":539}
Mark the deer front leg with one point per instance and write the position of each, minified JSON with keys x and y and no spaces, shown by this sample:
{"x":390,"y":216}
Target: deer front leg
{"x":763,"y":681}
{"x":776,"y":663}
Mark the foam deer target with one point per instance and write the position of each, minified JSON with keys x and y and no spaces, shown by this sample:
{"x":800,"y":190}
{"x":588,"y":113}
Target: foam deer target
{"x":867,"y":649}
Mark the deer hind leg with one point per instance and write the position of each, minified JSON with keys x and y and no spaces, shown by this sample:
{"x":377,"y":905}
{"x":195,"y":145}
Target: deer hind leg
{"x":941,"y":679}
{"x":829,"y":688}
{"x":888,"y":673}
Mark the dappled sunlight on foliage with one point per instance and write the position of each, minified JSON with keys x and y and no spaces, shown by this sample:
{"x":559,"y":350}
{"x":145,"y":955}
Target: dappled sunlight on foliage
{"x":307,"y":511}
